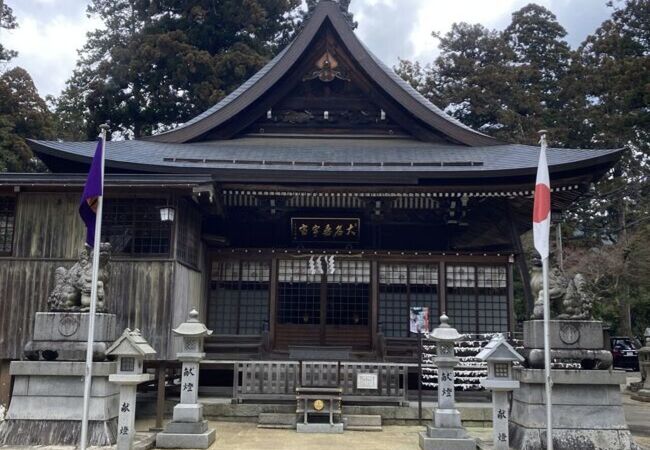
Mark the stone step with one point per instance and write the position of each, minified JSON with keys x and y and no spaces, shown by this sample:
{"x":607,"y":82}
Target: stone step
{"x":277,"y":420}
{"x":354,"y":422}
{"x":358,"y":422}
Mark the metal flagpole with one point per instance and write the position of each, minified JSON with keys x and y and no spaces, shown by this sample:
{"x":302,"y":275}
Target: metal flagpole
{"x":547,"y":357}
{"x":547,"y":306}
{"x":93,"y":302}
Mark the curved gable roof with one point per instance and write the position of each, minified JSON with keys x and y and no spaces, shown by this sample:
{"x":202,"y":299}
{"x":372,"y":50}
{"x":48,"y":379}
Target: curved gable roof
{"x":264,"y":80}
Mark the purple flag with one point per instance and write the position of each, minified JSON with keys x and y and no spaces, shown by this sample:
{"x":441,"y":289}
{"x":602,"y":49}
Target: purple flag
{"x":92,"y":191}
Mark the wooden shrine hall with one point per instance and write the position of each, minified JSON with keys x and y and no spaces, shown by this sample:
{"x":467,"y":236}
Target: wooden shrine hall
{"x":305,"y":212}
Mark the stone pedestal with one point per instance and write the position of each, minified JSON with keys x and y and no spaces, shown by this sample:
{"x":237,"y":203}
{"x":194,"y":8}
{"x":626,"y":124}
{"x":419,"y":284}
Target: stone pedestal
{"x":63,"y":336}
{"x":47,"y":404}
{"x":587,"y":411}
{"x":47,"y":401}
{"x":580,"y":340}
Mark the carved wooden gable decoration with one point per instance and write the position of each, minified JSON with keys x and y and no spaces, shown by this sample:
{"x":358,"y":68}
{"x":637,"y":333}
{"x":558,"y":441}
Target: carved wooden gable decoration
{"x":328,"y":94}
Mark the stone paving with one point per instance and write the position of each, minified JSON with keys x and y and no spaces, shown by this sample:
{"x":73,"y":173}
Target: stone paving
{"x":246,"y":436}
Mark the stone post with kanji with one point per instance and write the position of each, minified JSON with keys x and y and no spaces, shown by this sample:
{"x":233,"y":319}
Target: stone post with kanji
{"x":130,"y":349}
{"x":447,"y":431}
{"x":500,"y":357}
{"x":188,"y":429}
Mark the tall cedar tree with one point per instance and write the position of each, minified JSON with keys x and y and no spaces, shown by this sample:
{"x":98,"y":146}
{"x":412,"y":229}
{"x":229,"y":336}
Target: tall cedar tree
{"x":158,"y":63}
{"x":617,"y":85}
{"x":507,"y":84}
{"x":23,"y":114}
{"x":7,"y":22}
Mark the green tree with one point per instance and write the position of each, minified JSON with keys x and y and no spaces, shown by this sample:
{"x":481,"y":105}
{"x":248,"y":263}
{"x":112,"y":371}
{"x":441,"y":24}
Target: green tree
{"x":23,"y":114}
{"x":7,"y":22}
{"x":507,"y":84}
{"x":541,"y":63}
{"x":159,"y":63}
{"x":616,"y":213}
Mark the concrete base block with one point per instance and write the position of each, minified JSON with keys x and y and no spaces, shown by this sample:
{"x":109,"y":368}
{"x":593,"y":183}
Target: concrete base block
{"x":56,"y":432}
{"x":337,"y":428}
{"x":429,"y":443}
{"x":47,"y":404}
{"x":362,"y":422}
{"x":446,"y":433}
{"x":587,"y":411}
{"x":277,"y":420}
{"x":188,"y":412}
{"x":563,"y":439}
{"x":447,"y":418}
{"x":186,"y":427}
{"x":179,"y":440}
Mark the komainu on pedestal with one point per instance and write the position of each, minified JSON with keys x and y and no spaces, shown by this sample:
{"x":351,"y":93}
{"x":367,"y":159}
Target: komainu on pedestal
{"x":587,"y":405}
{"x":47,"y":399}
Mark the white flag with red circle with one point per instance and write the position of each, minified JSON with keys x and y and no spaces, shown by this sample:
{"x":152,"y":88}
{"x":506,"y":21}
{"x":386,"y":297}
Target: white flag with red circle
{"x":542,"y":206}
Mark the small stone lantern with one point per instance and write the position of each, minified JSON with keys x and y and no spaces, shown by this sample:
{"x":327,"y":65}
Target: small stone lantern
{"x":447,"y":426}
{"x":188,"y":429}
{"x":500,"y":356}
{"x":644,"y":365}
{"x":130,"y":349}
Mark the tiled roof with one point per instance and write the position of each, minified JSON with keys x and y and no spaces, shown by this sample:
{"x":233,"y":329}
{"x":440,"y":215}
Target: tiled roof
{"x":335,"y":155}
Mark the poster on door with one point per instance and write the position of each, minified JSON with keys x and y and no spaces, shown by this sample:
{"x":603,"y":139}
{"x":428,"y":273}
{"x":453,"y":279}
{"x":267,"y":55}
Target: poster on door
{"x":419,"y":322}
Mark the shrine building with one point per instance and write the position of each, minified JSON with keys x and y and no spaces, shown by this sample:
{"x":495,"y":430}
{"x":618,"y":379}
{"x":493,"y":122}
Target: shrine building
{"x":304,"y":213}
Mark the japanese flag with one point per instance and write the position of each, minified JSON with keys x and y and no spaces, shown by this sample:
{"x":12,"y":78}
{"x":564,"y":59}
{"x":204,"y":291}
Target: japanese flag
{"x":542,"y":206}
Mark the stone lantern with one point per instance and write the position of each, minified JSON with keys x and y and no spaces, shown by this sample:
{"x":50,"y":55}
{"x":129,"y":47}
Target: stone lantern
{"x":500,"y":356}
{"x":644,"y":365}
{"x":188,"y":429}
{"x":447,"y":431}
{"x":130,"y":349}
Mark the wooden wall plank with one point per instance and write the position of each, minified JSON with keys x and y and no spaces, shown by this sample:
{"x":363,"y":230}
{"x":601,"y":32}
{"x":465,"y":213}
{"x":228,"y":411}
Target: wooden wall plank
{"x":139,"y":293}
{"x":48,"y":225}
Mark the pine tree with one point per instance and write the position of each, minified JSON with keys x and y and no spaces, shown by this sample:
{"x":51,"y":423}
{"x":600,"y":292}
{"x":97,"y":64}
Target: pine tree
{"x":616,"y":214}
{"x":23,"y":114}
{"x":159,"y":63}
{"x":7,"y":22}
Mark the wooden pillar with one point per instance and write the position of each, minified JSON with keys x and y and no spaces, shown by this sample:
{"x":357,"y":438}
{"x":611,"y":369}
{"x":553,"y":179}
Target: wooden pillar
{"x":161,"y":375}
{"x":522,"y":265}
{"x":442,"y":292}
{"x":273,"y":305}
{"x":374,"y":302}
{"x":323,"y":309}
{"x":512,"y":320}
{"x":5,"y":383}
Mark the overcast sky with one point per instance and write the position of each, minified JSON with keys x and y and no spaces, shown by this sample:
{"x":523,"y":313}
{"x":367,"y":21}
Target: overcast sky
{"x":51,"y":31}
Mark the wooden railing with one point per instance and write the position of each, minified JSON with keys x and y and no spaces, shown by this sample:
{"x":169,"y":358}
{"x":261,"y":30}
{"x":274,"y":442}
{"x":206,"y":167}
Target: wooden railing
{"x":277,"y":380}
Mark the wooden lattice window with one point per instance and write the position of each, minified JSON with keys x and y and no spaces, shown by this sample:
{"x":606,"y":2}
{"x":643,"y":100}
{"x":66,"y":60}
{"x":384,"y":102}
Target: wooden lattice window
{"x":7,"y":219}
{"x":348,"y":293}
{"x":239,"y":297}
{"x":477,"y":298}
{"x":402,"y":286}
{"x":133,"y":226}
{"x":298,"y":293}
